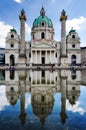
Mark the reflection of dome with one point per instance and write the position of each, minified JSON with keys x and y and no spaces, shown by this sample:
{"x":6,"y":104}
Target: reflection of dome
{"x":42,"y":20}
{"x":42,"y":106}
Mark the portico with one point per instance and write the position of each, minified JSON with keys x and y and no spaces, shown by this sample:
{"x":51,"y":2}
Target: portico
{"x":43,"y":56}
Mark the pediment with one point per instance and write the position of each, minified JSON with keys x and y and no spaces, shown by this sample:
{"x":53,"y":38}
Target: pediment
{"x":44,"y":45}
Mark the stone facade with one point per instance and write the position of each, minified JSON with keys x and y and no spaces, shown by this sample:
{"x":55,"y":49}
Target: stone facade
{"x":42,"y":48}
{"x":83,"y":55}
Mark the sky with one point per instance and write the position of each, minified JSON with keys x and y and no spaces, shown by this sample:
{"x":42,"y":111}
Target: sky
{"x":75,"y":10}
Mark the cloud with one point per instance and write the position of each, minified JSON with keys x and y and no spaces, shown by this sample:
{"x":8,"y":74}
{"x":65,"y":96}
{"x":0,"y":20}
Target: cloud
{"x":18,"y":1}
{"x":75,"y":108}
{"x":28,"y":28}
{"x":4,"y":29}
{"x":28,"y":31}
{"x":76,"y":23}
{"x":27,"y":102}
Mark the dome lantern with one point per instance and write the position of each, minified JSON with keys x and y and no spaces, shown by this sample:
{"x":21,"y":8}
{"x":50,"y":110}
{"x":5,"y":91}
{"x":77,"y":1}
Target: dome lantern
{"x":42,"y":12}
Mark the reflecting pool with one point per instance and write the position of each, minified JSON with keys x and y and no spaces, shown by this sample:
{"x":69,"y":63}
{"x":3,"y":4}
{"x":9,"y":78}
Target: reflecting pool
{"x":43,"y":100}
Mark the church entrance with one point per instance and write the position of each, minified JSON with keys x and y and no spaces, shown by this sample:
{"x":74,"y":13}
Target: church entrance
{"x":43,"y":60}
{"x":12,"y":60}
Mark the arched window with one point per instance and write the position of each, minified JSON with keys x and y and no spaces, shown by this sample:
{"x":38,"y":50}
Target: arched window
{"x":73,"y":59}
{"x":42,"y":35}
{"x":33,"y":37}
{"x":42,"y":23}
{"x":12,"y":36}
{"x":56,"y":54}
{"x":73,"y":36}
{"x":73,"y":75}
{"x":12,"y":60}
{"x":12,"y":89}
{"x":42,"y":98}
{"x":12,"y":75}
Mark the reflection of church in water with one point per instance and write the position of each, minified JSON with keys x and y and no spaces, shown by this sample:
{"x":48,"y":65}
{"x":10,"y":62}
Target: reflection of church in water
{"x":42,"y":85}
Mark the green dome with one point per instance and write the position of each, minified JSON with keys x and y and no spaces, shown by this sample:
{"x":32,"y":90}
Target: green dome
{"x":42,"y":20}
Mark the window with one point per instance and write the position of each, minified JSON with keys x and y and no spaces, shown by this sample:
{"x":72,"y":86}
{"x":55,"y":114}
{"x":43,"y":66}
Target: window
{"x":73,"y":97}
{"x":12,"y":36}
{"x":56,"y":45}
{"x":33,"y":36}
{"x":30,"y":45}
{"x":42,"y":23}
{"x":56,"y":54}
{"x":52,"y":37}
{"x":73,"y":45}
{"x":73,"y":88}
{"x":73,"y":36}
{"x":73,"y":59}
{"x":29,"y":54}
{"x":12,"y":89}
{"x":12,"y":98}
{"x":12,"y":45}
{"x":42,"y":35}
{"x":29,"y":78}
{"x":43,"y":73}
{"x":42,"y":98}
{"x":56,"y":79}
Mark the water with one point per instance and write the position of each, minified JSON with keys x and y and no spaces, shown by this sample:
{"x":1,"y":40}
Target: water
{"x":43,"y":100}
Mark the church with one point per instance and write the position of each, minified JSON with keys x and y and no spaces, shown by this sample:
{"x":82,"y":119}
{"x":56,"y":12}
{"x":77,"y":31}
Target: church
{"x":42,"y":49}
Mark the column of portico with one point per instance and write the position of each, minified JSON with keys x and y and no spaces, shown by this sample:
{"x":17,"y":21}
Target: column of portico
{"x":36,"y":71}
{"x":50,"y":57}
{"x":40,"y":63}
{"x":46,"y":76}
{"x":35,"y":56}
{"x":40,"y":56}
{"x":46,"y":57}
{"x":46,"y":63}
{"x":31,"y":57}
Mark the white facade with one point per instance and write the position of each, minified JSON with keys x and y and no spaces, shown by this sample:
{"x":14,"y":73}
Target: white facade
{"x":42,"y":49}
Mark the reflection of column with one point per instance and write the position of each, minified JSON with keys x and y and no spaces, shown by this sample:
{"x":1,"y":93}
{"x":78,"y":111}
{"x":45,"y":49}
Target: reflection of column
{"x":46,"y":76}
{"x":22,"y":103}
{"x":50,"y":78}
{"x":63,"y":99}
{"x":22,"y":77}
{"x":36,"y":56}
